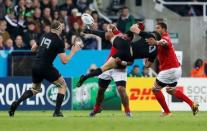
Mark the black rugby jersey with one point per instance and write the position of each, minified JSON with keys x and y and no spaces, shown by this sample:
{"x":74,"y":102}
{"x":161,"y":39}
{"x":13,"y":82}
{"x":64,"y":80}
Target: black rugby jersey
{"x":50,"y":45}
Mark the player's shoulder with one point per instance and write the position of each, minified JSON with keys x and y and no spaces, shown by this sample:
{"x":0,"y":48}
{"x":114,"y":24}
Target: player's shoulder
{"x":165,"y":36}
{"x":52,"y":36}
{"x":55,"y":38}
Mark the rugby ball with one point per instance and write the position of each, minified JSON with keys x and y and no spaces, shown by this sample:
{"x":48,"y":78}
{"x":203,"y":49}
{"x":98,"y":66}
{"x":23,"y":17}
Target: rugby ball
{"x":87,"y":19}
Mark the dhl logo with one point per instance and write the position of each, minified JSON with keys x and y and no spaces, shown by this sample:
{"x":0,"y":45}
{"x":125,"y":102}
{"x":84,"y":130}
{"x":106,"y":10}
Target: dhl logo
{"x":141,"y":94}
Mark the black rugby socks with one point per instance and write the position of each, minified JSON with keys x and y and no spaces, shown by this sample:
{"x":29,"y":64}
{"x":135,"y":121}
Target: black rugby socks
{"x":27,"y":94}
{"x":59,"y":101}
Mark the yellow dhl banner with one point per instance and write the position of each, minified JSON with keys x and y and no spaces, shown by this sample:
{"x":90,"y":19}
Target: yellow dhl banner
{"x":141,"y":97}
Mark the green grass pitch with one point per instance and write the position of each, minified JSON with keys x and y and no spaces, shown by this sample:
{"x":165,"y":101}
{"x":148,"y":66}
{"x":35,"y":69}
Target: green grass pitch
{"x":105,"y":121}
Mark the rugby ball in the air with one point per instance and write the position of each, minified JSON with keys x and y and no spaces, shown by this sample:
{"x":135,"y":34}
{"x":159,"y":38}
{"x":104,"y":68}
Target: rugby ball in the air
{"x":87,"y":19}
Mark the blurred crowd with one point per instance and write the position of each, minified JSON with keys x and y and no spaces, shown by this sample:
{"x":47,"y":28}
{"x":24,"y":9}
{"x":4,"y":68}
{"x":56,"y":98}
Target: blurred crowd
{"x":22,"y":22}
{"x":138,"y":72}
{"x":199,"y":69}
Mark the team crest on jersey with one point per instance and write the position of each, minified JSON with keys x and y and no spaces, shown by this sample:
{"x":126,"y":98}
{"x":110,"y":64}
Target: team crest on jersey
{"x":152,"y":49}
{"x":51,"y":95}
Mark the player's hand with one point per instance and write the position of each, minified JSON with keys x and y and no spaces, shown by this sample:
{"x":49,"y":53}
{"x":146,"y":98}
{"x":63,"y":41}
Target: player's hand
{"x":75,"y":48}
{"x":120,"y":62}
{"x":135,"y":29}
{"x":34,"y":45}
{"x":92,"y":26}
{"x":112,"y":27}
{"x":109,"y":27}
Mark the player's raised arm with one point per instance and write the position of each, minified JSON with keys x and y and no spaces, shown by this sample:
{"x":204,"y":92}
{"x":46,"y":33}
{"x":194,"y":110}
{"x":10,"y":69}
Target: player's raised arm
{"x":77,"y":45}
{"x":65,"y":58}
{"x":146,"y":35}
{"x":95,"y":32}
{"x":110,"y":28}
{"x":153,"y":41}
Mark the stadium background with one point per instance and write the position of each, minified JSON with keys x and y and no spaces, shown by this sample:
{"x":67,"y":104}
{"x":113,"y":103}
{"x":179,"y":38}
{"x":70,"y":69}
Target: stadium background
{"x":186,"y":23}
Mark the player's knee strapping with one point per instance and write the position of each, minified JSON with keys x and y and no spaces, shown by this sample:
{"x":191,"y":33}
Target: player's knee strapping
{"x":36,"y":88}
{"x":60,"y":83}
{"x":156,"y":87}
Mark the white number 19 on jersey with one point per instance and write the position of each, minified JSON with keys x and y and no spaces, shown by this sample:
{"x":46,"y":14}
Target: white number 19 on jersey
{"x":46,"y":41}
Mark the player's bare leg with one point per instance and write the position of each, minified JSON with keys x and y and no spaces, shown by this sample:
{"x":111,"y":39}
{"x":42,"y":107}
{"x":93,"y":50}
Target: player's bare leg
{"x":111,"y":63}
{"x":61,"y":84}
{"x":36,"y":88}
{"x":99,"y":99}
{"x":161,"y":99}
{"x":124,"y":100}
{"x":103,"y":84}
{"x":178,"y":94}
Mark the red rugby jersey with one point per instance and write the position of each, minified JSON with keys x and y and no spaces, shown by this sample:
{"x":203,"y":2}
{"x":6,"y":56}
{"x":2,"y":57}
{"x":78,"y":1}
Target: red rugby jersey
{"x":166,"y":55}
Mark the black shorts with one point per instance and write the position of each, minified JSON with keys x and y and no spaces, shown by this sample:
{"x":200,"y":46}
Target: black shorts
{"x":124,"y":56}
{"x":123,"y":48}
{"x":39,"y":73}
{"x":161,"y":84}
{"x":105,"y":83}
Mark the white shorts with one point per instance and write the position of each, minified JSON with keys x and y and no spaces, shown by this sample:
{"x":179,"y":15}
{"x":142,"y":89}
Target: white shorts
{"x":115,"y":74}
{"x":170,"y":76}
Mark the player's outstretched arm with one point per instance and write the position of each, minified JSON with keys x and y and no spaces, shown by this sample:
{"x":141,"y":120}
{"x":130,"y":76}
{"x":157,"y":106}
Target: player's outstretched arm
{"x":161,"y":42}
{"x":65,"y":58}
{"x":95,"y":32}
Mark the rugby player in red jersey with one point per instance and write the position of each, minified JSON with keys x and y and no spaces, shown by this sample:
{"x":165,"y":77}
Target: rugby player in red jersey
{"x":170,"y":71}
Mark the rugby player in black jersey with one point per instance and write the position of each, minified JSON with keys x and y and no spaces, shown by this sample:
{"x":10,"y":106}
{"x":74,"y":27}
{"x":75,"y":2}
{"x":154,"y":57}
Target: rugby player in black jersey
{"x":119,"y":76}
{"x":127,"y":50}
{"x":49,"y":46}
